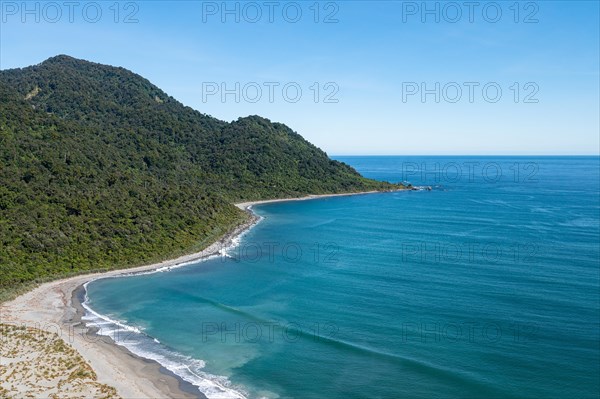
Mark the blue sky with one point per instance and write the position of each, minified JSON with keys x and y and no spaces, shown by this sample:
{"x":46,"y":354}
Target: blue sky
{"x":362,"y":67}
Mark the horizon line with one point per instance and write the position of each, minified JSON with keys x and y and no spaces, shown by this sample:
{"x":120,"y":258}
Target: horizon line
{"x":464,"y":155}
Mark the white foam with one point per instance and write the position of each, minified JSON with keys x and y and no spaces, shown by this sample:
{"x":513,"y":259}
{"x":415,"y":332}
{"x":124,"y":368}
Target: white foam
{"x":237,"y":240}
{"x":189,"y":369}
{"x":139,"y":343}
{"x":223,"y":252}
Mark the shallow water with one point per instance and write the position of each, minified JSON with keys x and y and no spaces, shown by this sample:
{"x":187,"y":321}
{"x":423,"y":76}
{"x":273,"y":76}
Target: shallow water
{"x":486,"y":286}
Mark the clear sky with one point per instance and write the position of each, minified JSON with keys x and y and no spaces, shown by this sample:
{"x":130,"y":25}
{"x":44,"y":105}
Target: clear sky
{"x":376,"y":77}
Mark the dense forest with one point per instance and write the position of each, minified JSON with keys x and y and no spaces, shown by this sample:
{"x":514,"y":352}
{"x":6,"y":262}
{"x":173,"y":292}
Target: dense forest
{"x":100,"y":169}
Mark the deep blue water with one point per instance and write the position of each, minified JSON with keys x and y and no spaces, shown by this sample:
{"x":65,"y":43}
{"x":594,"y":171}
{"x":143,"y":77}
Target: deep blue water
{"x":488,"y":286}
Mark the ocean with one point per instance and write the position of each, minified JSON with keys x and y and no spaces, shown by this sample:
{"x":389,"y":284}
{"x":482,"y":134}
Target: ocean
{"x":485,"y":286}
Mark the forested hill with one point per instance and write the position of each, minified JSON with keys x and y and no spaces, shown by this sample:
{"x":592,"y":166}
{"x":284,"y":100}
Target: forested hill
{"x":101,"y":169}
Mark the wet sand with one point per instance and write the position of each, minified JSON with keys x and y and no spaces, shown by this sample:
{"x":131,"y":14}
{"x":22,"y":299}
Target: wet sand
{"x":56,"y":306}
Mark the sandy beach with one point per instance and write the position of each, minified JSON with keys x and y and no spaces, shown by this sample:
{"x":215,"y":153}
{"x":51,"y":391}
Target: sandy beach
{"x":248,"y":205}
{"x":56,"y":307}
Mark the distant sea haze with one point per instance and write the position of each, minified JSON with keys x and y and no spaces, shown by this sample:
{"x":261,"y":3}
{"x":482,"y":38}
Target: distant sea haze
{"x":485,"y":286}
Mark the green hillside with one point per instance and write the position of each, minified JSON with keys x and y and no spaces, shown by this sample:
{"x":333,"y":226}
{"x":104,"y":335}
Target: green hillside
{"x":100,"y":169}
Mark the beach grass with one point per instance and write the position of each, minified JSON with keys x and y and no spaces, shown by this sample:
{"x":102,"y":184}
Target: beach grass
{"x":37,"y":363}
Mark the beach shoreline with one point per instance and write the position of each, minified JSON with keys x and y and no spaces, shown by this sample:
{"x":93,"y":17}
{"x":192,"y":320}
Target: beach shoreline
{"x":249,"y":204}
{"x":57,"y":306}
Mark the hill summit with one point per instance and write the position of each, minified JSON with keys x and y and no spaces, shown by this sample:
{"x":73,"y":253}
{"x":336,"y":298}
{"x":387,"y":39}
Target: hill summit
{"x":100,"y":169}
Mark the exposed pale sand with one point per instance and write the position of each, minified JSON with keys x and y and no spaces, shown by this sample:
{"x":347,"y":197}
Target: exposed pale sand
{"x":247,"y":205}
{"x":38,"y":363}
{"x":54,"y":307}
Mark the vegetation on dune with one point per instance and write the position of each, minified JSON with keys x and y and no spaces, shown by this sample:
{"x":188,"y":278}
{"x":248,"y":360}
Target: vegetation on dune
{"x":38,"y":363}
{"x":100,"y":169}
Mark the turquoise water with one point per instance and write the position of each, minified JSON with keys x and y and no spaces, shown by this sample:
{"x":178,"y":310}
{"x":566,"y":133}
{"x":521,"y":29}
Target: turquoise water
{"x":486,"y":286}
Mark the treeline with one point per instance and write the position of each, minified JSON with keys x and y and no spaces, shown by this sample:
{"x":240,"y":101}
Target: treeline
{"x":100,"y":169}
